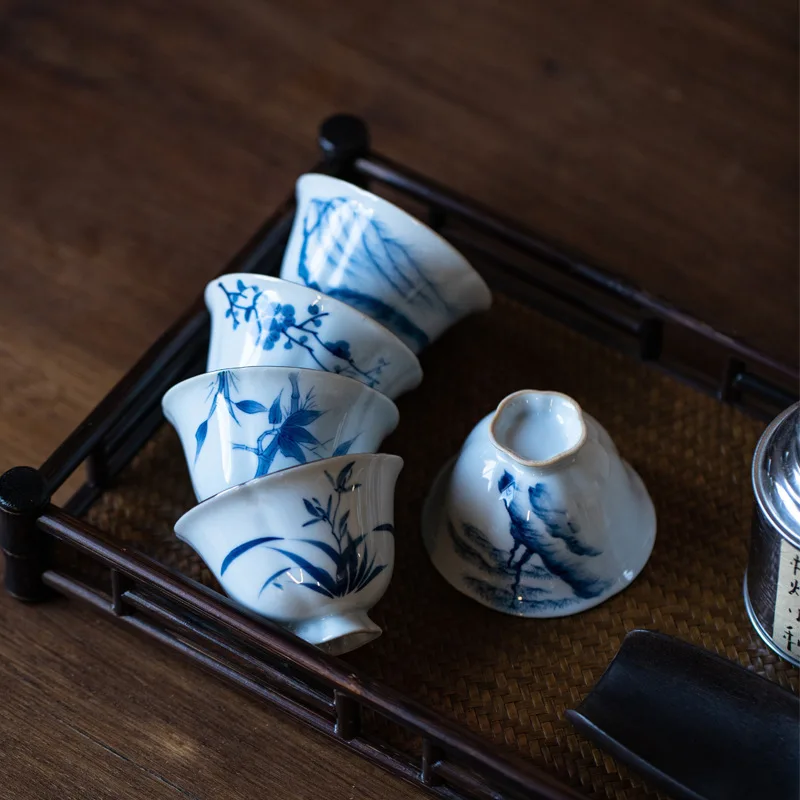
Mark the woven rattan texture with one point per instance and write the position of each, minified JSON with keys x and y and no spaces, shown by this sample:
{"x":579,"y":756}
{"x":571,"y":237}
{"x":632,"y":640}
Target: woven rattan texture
{"x":506,"y":678}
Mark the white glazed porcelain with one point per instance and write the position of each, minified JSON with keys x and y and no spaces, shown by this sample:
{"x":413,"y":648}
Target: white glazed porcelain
{"x":257,"y":320}
{"x":311,"y":547}
{"x":539,"y":516}
{"x":240,"y":424}
{"x":365,"y":251}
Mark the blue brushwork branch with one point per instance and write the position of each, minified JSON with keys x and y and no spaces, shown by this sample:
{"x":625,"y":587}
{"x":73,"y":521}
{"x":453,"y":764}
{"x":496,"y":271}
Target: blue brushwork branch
{"x":276,"y":323}
{"x":354,"y":567}
{"x":343,"y":243}
{"x":496,"y":583}
{"x":341,"y":231}
{"x":551,"y":536}
{"x":243,"y":302}
{"x":389,"y":317}
{"x":474,"y":548}
{"x":223,"y":385}
{"x":289,"y":431}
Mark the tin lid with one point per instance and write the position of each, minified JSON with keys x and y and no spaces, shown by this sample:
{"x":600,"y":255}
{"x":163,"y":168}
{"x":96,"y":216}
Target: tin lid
{"x":776,"y":474}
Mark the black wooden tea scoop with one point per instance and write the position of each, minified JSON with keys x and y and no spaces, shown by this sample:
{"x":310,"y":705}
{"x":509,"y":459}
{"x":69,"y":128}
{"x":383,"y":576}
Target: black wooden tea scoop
{"x":698,"y":726}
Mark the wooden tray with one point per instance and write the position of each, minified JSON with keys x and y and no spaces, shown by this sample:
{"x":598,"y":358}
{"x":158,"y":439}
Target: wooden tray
{"x":465,"y":701}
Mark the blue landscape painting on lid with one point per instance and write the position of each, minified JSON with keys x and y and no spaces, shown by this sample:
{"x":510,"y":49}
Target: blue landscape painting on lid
{"x":509,"y":577}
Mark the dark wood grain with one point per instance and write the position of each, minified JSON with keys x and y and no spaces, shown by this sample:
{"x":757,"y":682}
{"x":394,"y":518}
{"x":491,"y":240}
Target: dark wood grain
{"x":92,"y":711}
{"x":143,"y":141}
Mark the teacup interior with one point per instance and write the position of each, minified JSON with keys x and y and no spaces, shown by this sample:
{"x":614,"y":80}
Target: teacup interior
{"x":538,"y":427}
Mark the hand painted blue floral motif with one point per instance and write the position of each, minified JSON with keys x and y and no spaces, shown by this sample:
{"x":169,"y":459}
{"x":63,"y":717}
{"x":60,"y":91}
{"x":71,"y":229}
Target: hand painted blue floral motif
{"x":276,"y":324}
{"x":353,"y":567}
{"x":288,"y":432}
{"x":339,"y":230}
{"x":548,"y":533}
{"x":223,"y":384}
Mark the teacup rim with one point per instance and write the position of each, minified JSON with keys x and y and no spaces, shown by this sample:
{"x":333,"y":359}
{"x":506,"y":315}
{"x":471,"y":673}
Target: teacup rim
{"x":275,"y":477}
{"x":450,"y":248}
{"x":276,"y":368}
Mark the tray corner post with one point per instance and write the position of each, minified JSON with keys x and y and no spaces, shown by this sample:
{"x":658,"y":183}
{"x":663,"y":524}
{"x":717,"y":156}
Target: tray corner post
{"x":348,"y":716}
{"x":24,"y":495}
{"x":344,"y":138}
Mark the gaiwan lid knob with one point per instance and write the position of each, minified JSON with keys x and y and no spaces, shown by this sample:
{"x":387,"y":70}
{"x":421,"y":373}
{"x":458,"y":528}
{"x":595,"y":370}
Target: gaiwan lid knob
{"x":538,"y":429}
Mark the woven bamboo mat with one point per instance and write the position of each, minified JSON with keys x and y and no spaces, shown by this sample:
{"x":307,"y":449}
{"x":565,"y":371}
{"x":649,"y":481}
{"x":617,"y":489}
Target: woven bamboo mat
{"x":510,"y":679}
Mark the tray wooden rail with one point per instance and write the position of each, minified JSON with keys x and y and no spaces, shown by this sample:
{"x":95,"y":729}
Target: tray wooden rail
{"x":329,"y":694}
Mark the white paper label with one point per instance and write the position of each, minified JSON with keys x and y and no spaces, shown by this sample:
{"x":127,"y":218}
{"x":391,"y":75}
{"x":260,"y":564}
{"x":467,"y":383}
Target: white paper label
{"x":786,"y":625}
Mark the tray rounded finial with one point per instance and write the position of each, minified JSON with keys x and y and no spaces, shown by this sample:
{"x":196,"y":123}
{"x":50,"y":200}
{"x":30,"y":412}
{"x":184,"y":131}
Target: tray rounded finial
{"x":344,"y":137}
{"x":23,"y":490}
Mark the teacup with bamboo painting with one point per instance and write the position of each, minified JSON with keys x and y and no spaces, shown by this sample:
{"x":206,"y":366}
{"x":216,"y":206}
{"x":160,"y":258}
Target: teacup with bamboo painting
{"x":243,"y":423}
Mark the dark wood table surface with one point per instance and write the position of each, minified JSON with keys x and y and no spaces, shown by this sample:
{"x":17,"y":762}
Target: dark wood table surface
{"x":143,"y":141}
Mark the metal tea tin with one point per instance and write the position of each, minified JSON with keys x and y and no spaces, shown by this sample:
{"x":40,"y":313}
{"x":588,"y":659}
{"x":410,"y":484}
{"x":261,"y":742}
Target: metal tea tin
{"x":772,"y":580}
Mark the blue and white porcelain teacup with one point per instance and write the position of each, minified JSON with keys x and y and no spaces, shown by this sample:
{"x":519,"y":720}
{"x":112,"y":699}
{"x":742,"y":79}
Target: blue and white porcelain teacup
{"x":258,"y":320}
{"x":240,"y":424}
{"x":311,"y":547}
{"x":367,"y":252}
{"x":539,"y":516}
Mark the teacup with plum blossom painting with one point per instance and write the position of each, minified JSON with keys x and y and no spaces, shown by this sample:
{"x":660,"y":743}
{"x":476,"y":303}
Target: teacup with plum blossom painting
{"x":259,"y":320}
